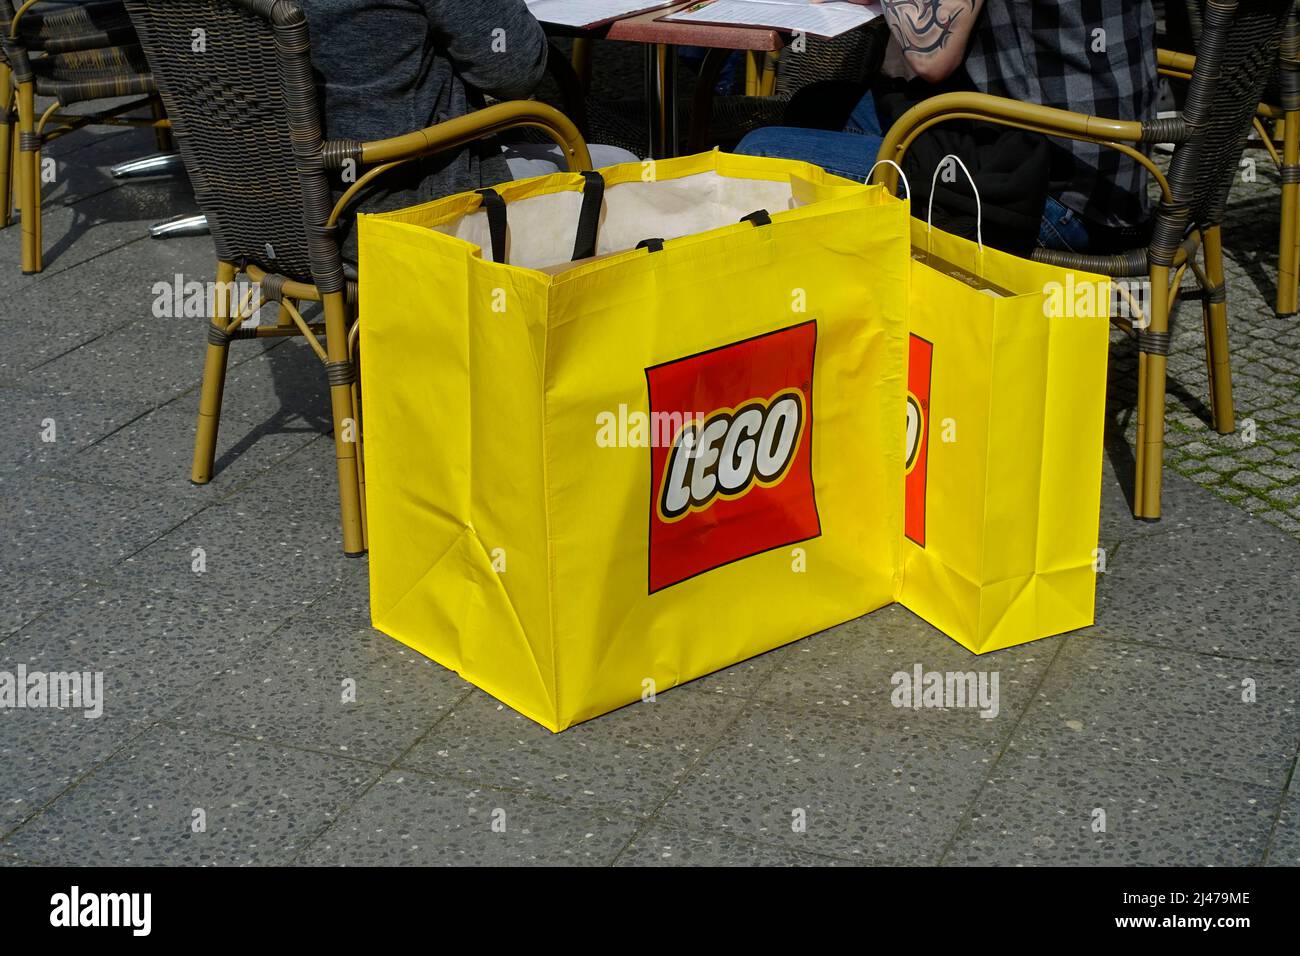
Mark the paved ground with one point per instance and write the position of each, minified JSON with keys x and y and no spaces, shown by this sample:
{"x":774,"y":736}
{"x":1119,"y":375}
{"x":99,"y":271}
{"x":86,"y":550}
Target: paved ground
{"x":1173,"y":721}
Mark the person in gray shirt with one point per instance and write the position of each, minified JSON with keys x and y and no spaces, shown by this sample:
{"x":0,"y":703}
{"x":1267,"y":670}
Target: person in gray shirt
{"x":387,"y":67}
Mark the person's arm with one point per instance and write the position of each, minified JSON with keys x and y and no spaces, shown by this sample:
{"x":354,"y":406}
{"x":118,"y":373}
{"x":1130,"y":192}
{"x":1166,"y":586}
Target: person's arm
{"x":498,"y":47}
{"x":931,"y":33}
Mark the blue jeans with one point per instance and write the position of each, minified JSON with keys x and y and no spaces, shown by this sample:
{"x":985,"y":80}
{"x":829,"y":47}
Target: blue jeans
{"x":1062,"y":228}
{"x":852,"y":153}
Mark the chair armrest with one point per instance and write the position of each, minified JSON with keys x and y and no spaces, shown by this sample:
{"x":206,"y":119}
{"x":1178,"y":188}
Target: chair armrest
{"x":485,"y":122}
{"x":1177,"y":62}
{"x":1176,"y":66}
{"x":18,"y":15}
{"x":982,"y":107}
{"x":1008,"y":112}
{"x":383,"y":154}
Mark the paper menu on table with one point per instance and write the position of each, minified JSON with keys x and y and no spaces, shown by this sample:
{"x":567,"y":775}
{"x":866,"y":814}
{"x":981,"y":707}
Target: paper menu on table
{"x":585,"y":14}
{"x":824,"y":20}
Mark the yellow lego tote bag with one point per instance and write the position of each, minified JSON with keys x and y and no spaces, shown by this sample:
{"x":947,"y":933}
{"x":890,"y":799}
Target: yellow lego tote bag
{"x":1005,"y":409}
{"x":624,"y":429}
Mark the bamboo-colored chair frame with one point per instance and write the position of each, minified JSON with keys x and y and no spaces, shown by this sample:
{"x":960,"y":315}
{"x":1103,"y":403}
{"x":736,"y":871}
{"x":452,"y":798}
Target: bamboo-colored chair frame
{"x":1288,"y":163}
{"x":1174,"y":245}
{"x":106,"y":75}
{"x":328,"y":286}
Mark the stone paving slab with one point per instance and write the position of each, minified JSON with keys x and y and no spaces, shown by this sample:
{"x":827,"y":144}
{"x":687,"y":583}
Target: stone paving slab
{"x":1125,"y":704}
{"x":1226,"y":587}
{"x":29,"y":594}
{"x":858,"y":792}
{"x":260,"y":571}
{"x":323,"y":686}
{"x":626,"y":761}
{"x":407,"y":819}
{"x":155,"y":450}
{"x":41,"y":428}
{"x":1285,"y":847}
{"x":108,"y":367}
{"x":850,"y":671}
{"x":156,"y":650}
{"x":661,"y":845}
{"x":43,"y":753}
{"x":261,"y":804}
{"x":67,"y":527}
{"x":101,"y":295}
{"x":74,"y":236}
{"x":1067,"y":811}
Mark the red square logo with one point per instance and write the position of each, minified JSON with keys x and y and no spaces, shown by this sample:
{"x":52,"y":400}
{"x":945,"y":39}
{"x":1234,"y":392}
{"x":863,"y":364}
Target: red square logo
{"x":731,"y":454}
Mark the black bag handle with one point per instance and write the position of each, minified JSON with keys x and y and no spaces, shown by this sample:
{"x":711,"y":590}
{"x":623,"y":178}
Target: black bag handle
{"x":758,"y":217}
{"x":593,"y":195}
{"x":495,"y":207}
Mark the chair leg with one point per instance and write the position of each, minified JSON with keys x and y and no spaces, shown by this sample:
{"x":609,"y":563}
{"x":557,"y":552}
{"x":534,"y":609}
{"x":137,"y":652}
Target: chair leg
{"x":339,"y":372}
{"x":214,"y":380}
{"x":15,"y":193}
{"x":1217,"y":359}
{"x":162,"y":135}
{"x":29,"y":180}
{"x":38,"y":220}
{"x":581,"y":61}
{"x":1153,"y":346}
{"x":6,"y":144}
{"x":753,"y":71}
{"x":1288,"y":253}
{"x":354,"y":355}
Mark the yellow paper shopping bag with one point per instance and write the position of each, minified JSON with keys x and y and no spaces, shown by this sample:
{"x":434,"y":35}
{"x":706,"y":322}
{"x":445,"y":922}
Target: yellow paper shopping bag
{"x":588,"y":481}
{"x":1005,"y":410}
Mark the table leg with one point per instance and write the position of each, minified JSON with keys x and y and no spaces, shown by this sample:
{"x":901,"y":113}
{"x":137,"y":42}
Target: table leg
{"x":661,"y":90}
{"x":581,"y":60}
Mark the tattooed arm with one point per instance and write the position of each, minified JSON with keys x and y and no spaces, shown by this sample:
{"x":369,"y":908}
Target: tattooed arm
{"x":932,"y":33}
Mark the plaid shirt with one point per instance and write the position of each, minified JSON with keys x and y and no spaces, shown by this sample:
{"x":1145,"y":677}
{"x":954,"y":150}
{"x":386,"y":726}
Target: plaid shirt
{"x":1088,"y":56}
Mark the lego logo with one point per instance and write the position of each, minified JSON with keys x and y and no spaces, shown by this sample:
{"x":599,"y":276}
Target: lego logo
{"x":736,"y":482}
{"x":731,"y":451}
{"x":915,"y":430}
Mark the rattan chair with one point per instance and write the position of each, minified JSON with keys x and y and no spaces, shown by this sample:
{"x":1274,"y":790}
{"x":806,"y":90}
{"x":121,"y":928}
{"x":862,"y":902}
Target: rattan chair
{"x":248,"y":123}
{"x":1236,"y":58}
{"x":1287,"y":109}
{"x":70,"y":54}
{"x":1280,"y":103}
{"x":59,"y":27}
